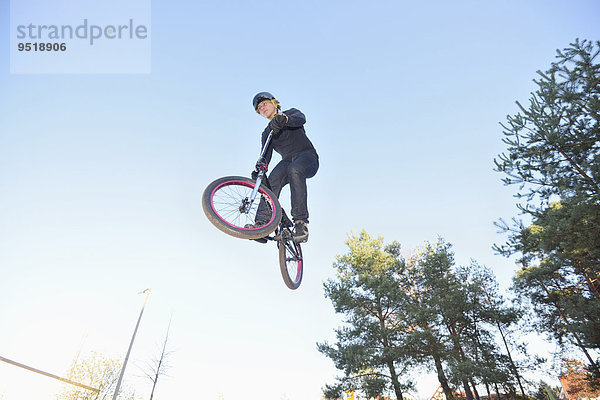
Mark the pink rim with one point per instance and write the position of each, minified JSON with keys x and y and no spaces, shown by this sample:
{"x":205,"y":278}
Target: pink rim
{"x":246,"y":184}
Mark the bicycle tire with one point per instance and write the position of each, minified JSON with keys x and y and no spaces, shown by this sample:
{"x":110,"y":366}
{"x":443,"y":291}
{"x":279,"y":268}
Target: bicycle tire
{"x":222,"y":200}
{"x":291,"y":262}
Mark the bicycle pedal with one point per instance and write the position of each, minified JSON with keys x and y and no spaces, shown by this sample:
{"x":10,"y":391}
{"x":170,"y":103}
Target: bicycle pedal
{"x":261,"y":240}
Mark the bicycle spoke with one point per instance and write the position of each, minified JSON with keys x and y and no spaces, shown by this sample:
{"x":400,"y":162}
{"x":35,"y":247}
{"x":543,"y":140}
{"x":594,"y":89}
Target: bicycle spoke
{"x":228,"y":203}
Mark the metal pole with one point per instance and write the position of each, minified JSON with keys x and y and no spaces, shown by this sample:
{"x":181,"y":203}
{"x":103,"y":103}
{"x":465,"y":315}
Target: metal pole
{"x":147,"y":291}
{"x":37,"y":371}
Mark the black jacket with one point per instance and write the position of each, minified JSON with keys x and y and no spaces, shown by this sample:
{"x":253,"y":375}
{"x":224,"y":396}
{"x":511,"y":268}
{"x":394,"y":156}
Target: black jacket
{"x":291,"y":140}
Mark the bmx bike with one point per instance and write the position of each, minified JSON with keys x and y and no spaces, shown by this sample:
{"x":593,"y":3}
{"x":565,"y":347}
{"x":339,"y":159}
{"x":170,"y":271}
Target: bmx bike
{"x":231,"y":204}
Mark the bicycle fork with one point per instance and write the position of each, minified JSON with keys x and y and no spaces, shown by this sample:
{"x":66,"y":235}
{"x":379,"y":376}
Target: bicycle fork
{"x":247,"y":202}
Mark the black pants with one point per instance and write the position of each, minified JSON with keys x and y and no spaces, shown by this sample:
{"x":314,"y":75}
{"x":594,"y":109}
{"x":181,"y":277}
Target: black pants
{"x":294,"y":171}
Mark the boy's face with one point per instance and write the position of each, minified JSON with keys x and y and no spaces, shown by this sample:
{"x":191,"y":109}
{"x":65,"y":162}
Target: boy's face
{"x":266,"y":109}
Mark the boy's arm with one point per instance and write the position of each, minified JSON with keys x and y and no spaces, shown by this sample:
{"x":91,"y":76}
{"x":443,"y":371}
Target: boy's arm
{"x":295,"y":118}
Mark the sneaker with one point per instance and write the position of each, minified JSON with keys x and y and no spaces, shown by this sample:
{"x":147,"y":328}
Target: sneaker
{"x":254,"y":226}
{"x":300,"y":231}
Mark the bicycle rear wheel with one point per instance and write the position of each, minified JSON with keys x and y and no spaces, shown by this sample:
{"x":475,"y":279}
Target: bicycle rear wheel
{"x":291,"y":263}
{"x":226,"y":204}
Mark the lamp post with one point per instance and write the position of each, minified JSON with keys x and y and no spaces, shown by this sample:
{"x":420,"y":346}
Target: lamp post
{"x":147,"y":291}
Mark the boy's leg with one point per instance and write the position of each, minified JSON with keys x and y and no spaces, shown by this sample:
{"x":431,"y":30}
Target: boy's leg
{"x":303,"y":167}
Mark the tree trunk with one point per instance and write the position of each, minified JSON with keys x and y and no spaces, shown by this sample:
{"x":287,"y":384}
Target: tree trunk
{"x":497,"y":391}
{"x":442,"y":377}
{"x":475,"y":390}
{"x":461,"y":355}
{"x":566,"y":321}
{"x":592,"y":284}
{"x":468,"y":392}
{"x":487,"y":389}
{"x":395,"y":382}
{"x":512,"y":364}
{"x":386,"y":345}
{"x":153,"y":386}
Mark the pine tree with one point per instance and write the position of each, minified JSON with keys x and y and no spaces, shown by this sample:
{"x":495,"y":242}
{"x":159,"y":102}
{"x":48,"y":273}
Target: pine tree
{"x":458,"y":311}
{"x":369,"y":347}
{"x":553,"y":155}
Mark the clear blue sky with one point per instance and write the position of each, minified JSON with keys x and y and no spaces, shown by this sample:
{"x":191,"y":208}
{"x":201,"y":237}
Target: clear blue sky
{"x":101,"y":177}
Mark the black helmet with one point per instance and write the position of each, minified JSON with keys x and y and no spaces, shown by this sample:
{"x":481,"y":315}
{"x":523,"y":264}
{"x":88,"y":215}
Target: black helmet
{"x":260,"y":97}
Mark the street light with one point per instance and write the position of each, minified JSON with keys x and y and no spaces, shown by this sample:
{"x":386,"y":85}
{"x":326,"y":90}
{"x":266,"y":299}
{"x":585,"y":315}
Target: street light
{"x":147,"y":291}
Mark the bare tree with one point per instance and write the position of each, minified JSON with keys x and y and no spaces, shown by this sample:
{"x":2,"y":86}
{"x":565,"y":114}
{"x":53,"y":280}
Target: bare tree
{"x":158,"y":366}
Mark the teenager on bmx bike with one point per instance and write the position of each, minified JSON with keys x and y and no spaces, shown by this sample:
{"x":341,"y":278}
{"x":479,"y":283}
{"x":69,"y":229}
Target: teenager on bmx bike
{"x":299,"y":159}
{"x":249,"y":208}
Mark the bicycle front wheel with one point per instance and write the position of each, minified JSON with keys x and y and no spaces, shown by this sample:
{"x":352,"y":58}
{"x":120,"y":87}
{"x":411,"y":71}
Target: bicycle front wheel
{"x":291,"y":263}
{"x":226,"y":203}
